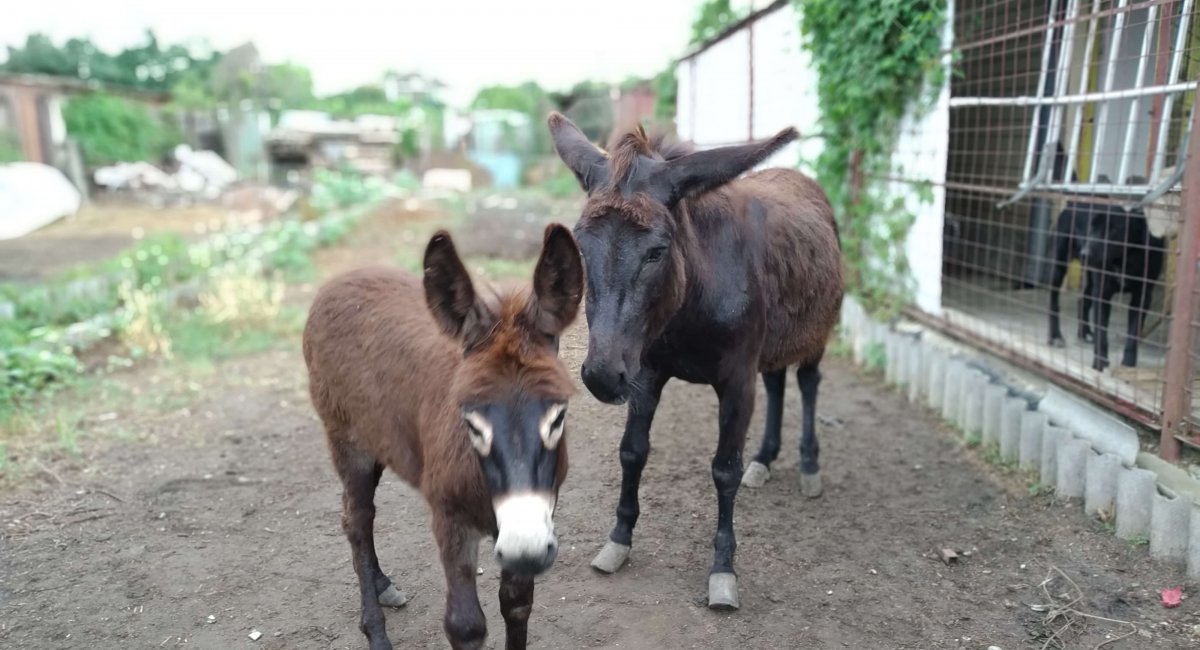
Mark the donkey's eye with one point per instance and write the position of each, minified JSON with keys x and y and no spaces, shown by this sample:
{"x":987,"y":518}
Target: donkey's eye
{"x":655,"y":254}
{"x":551,"y":426}
{"x":480,"y":431}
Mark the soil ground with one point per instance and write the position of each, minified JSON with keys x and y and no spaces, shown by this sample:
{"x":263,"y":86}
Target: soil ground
{"x":201,"y":505}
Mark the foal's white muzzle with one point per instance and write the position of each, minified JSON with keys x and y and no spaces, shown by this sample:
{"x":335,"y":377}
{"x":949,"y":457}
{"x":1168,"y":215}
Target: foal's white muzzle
{"x":526,"y":543}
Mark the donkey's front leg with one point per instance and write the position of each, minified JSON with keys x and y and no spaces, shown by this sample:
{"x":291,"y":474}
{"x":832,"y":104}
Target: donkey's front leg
{"x":516,"y":603}
{"x":635,"y":447}
{"x":458,"y":545}
{"x":737,"y":405}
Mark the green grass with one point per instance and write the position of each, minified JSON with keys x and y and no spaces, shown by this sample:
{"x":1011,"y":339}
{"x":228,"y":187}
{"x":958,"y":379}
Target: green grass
{"x":198,"y":340}
{"x":1038,"y":489}
{"x":1139,"y":540}
{"x":66,"y":430}
{"x":875,"y":356}
{"x":502,"y":269}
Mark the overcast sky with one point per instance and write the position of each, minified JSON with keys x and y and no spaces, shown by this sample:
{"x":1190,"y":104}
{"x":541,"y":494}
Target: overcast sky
{"x":466,"y":43}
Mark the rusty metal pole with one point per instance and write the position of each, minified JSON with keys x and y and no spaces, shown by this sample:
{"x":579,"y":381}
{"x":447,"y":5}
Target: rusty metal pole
{"x":1161,"y":68}
{"x":1177,"y":375}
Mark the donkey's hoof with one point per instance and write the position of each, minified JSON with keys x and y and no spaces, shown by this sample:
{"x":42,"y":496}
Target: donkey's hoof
{"x":722,"y":592}
{"x":393,"y":597}
{"x":810,"y":485}
{"x":756,"y":475}
{"x":611,"y":558}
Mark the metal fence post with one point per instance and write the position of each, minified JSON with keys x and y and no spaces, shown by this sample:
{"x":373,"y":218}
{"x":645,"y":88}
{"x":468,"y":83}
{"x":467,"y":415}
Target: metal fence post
{"x":1177,"y":377}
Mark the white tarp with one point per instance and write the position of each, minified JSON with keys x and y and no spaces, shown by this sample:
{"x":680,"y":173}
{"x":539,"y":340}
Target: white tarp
{"x":203,"y":171}
{"x":33,"y":195}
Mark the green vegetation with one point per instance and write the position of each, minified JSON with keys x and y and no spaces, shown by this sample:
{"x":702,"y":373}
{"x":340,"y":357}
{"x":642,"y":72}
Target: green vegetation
{"x":110,"y":129}
{"x":875,"y":357}
{"x":10,"y":150}
{"x":236,"y":277}
{"x":875,"y":61}
{"x":712,"y":18}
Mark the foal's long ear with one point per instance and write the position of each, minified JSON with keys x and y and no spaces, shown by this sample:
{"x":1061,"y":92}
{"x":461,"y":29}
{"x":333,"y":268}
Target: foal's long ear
{"x":702,"y":171}
{"x":557,"y":282}
{"x":583,"y":158}
{"x":449,"y":293}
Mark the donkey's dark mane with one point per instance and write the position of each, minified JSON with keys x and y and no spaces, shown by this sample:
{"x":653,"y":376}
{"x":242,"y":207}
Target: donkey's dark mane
{"x":627,"y":146}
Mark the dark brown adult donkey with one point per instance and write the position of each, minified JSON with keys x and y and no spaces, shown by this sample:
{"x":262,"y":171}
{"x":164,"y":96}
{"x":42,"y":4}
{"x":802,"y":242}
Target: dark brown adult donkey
{"x":696,"y":274}
{"x":463,"y":396}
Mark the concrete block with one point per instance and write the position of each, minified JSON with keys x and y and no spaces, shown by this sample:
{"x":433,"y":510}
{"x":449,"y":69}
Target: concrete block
{"x":1170,"y":524}
{"x":1029,"y":455}
{"x":971,"y":418}
{"x":1071,"y":460}
{"x":900,"y":345}
{"x":1135,"y":502}
{"x":1010,"y":428}
{"x":936,"y":381}
{"x":993,"y":406}
{"x":956,"y":372}
{"x":1106,"y":433}
{"x":916,"y":371}
{"x":1193,"y":558}
{"x":1103,"y":471}
{"x":891,"y":350}
{"x":1051,"y":437}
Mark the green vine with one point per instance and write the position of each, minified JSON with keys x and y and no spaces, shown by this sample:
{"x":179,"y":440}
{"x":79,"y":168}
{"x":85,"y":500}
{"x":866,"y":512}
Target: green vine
{"x":875,"y":59}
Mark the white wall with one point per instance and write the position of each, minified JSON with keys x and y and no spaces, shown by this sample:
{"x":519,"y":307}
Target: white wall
{"x":921,"y":156}
{"x":713,"y":109}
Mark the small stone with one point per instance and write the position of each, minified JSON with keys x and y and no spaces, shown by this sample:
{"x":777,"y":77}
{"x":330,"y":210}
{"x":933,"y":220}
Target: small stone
{"x":949,"y":556}
{"x":255,"y":635}
{"x":829,"y":593}
{"x":994,"y":647}
{"x":479,"y":571}
{"x":212,"y":619}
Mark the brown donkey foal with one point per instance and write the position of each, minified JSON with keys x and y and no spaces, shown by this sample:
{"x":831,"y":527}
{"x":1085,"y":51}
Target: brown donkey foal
{"x":463,"y":396}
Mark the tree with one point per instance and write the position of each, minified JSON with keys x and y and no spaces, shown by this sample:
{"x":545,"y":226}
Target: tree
{"x":110,"y":129}
{"x":713,"y":18}
{"x":289,"y":84}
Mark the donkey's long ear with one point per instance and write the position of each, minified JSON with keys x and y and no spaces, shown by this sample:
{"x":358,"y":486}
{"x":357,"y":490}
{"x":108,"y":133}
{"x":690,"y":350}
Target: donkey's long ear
{"x":557,"y":282}
{"x":702,"y":171}
{"x":449,"y":293}
{"x":583,"y":158}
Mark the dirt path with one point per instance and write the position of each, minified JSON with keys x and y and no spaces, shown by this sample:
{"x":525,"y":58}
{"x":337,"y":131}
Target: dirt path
{"x":225,"y":506}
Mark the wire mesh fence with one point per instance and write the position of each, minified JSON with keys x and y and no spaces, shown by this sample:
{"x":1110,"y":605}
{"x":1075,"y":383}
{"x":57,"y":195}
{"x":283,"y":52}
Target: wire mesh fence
{"x":1069,"y":126}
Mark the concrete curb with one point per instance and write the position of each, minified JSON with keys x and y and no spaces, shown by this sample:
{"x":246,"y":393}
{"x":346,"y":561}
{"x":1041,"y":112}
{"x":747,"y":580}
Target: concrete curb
{"x":1080,"y":450}
{"x":1032,"y":425}
{"x":1103,"y":473}
{"x":1010,"y":428}
{"x":1135,"y":503}
{"x":1169,"y":527}
{"x":993,"y":408}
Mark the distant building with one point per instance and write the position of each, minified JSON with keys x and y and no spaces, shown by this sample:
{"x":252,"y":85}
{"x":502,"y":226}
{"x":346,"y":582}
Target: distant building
{"x":31,"y":117}
{"x":412,"y":87}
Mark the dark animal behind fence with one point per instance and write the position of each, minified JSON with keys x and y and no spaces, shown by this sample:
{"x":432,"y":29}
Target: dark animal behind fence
{"x":696,"y":274}
{"x":1119,"y":255}
{"x":463,"y":397}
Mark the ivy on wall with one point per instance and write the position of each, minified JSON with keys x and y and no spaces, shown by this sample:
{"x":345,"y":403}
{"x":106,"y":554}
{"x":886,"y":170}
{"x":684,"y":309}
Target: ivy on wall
{"x":875,"y":60}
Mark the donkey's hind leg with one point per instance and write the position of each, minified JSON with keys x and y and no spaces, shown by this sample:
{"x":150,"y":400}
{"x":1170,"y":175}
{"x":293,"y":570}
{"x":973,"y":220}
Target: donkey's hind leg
{"x":759,"y":470}
{"x":360,"y":474}
{"x":809,"y":377}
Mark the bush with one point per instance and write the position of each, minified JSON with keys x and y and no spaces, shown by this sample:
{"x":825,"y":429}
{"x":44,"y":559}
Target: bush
{"x":10,"y":149}
{"x":110,"y":129}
